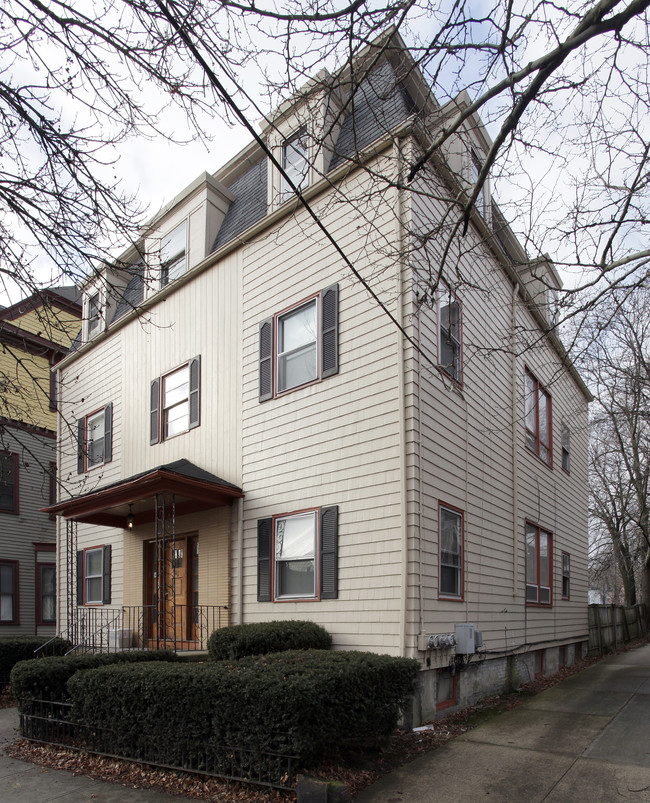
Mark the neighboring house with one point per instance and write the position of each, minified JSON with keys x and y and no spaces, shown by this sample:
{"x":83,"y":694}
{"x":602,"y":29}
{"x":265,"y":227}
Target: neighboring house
{"x":34,"y":335}
{"x":248,"y":437}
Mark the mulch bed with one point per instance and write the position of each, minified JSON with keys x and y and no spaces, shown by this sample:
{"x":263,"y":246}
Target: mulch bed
{"x":357,"y":769}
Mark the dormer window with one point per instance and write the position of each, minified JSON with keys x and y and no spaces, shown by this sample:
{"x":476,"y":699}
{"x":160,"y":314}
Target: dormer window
{"x":295,"y":151}
{"x":94,"y":315}
{"x":173,"y":254}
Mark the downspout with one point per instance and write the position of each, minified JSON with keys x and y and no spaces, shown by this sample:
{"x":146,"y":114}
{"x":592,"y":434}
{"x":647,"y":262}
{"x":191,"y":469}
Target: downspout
{"x":399,"y":314}
{"x":515,"y":473}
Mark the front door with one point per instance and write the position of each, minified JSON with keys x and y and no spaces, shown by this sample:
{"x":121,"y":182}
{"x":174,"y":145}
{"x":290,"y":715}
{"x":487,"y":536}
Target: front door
{"x":171,"y":590}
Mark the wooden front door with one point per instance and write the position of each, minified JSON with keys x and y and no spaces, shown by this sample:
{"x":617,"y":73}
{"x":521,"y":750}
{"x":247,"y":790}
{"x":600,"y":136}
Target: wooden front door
{"x":171,"y":591}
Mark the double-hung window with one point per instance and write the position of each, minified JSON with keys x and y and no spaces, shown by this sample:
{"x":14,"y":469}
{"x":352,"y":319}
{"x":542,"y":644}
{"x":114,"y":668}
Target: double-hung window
{"x":46,"y":597}
{"x":295,"y":162}
{"x":94,"y":576}
{"x":95,"y":439}
{"x":9,"y":592}
{"x":538,"y":418}
{"x":566,"y":576}
{"x":299,"y":346}
{"x":539,"y":566}
{"x":449,"y":335}
{"x":176,"y":401}
{"x":93,"y":315}
{"x":8,"y":482}
{"x":297,"y":556}
{"x":566,"y":448}
{"x":450,"y":581}
{"x":173,"y":254}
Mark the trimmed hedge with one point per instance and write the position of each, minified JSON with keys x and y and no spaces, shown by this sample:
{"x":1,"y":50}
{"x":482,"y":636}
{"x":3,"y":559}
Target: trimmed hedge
{"x":21,"y":648}
{"x":238,"y":641}
{"x":302,"y":703}
{"x":46,"y":678}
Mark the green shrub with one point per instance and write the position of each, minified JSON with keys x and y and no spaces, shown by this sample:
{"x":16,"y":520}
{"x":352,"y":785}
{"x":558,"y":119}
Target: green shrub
{"x":22,"y":648}
{"x":238,"y":641}
{"x":46,"y":678}
{"x":303,"y":703}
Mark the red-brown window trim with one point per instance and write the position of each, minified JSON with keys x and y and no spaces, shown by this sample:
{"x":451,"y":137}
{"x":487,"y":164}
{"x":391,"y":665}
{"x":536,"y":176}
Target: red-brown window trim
{"x":16,"y":508}
{"x":568,"y":575}
{"x":539,"y":530}
{"x":16,"y":570}
{"x":317,"y":589}
{"x":539,"y":388}
{"x":459,"y":511}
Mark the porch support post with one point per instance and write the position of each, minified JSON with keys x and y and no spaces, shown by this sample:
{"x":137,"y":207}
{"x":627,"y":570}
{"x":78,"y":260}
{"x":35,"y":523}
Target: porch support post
{"x":165,"y":585}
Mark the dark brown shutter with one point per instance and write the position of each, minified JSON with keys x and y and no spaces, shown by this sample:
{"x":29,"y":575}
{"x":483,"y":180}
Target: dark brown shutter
{"x":266,"y":359}
{"x":108,"y":433}
{"x":264,"y":533}
{"x":155,"y":412}
{"x":81,"y":437}
{"x":329,"y":531}
{"x":195,"y":392}
{"x":330,"y":331}
{"x":80,"y":577}
{"x":106,"y":576}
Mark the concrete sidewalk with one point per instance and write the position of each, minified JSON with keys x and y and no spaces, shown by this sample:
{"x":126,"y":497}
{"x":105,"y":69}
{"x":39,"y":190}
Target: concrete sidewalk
{"x":21,"y":782}
{"x":586,"y":739}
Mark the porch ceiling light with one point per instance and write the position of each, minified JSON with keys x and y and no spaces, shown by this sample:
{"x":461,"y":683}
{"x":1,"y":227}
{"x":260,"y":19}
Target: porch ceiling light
{"x":129,"y":518}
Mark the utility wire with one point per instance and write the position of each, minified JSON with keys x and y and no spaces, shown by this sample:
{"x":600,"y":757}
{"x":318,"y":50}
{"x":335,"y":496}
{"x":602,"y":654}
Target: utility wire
{"x":229,"y":101}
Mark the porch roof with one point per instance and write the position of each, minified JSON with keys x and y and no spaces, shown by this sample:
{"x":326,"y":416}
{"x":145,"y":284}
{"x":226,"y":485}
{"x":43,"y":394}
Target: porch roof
{"x":194,"y":489}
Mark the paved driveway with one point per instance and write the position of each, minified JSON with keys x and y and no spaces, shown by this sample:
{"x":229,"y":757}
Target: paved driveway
{"x":586,"y":739}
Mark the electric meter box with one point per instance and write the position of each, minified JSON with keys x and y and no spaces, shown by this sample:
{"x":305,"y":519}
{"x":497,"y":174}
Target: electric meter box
{"x":465,"y":639}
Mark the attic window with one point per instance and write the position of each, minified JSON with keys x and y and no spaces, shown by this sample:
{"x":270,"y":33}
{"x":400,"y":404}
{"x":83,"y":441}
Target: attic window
{"x":295,"y":151}
{"x":93,"y":318}
{"x":173,"y":254}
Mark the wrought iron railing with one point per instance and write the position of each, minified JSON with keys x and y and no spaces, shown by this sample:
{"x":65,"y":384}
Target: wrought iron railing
{"x":49,"y":722}
{"x":130,"y":627}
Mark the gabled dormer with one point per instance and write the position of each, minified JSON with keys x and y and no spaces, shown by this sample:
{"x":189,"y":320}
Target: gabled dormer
{"x":301,"y":134}
{"x":542,"y":282}
{"x":101,"y":295}
{"x":182,"y":234}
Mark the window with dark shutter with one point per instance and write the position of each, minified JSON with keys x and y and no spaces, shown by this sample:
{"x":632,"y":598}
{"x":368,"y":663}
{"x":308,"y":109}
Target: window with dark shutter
{"x":266,"y":360}
{"x":195,"y":392}
{"x":106,"y":575}
{"x":264,"y":532}
{"x":154,"y":436}
{"x":329,"y":331}
{"x":108,"y":433}
{"x":329,"y":521}
{"x":81,"y":445}
{"x":80,"y":577}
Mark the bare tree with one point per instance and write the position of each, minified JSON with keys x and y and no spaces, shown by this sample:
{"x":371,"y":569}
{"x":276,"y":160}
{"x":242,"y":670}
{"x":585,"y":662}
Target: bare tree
{"x":620,"y":436}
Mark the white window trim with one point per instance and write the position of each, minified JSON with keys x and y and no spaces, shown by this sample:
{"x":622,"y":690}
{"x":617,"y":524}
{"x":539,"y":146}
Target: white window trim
{"x":165,"y":410}
{"x":277,"y":595}
{"x":301,"y":182}
{"x":100,"y":576}
{"x":100,"y":415}
{"x":445,"y":299}
{"x":174,"y":259}
{"x":94,"y":323}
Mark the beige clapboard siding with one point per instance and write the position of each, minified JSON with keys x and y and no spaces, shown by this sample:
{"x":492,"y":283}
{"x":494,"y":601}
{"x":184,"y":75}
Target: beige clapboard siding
{"x":474,"y":435}
{"x":334,"y":443}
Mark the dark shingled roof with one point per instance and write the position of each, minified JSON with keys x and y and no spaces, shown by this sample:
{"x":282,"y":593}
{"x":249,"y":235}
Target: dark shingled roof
{"x":69,"y":292}
{"x":379,"y":103}
{"x":249,"y":205}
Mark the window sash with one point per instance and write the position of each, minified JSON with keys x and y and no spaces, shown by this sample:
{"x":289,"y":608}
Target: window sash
{"x":47,"y":586}
{"x":449,"y":338}
{"x":7,"y":592}
{"x":297,"y":346}
{"x":295,"y":162}
{"x":93,"y":575}
{"x":176,"y":402}
{"x":566,"y":440}
{"x":539,"y":567}
{"x":295,"y":551}
{"x":537,"y":412}
{"x":450,"y":581}
{"x":566,"y":575}
{"x":173,"y":254}
{"x":94,"y":313}
{"x":7,"y":482}
{"x":95,"y":432}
